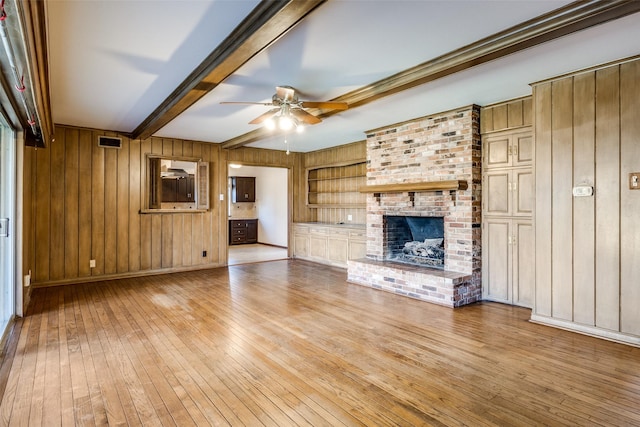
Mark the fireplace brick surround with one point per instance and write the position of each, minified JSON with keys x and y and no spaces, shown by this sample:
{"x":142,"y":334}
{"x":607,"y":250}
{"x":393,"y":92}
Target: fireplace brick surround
{"x":441,"y":147}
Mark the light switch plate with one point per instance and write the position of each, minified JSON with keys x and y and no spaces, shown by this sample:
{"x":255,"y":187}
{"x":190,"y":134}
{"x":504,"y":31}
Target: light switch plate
{"x":634,"y":181}
{"x":582,"y":191}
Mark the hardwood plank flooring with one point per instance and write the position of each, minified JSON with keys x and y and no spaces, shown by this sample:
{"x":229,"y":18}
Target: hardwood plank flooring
{"x":288,"y":343}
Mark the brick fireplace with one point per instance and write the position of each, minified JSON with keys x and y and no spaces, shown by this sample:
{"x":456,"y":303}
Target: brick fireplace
{"x":427,"y":167}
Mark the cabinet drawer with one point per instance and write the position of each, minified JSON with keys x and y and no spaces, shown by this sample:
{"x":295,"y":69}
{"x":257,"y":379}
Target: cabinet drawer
{"x":238,"y":224}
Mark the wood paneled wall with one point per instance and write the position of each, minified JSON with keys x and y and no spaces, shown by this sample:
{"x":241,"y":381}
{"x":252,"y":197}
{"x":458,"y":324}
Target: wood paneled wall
{"x":86,"y":204}
{"x":587,"y":131}
{"x":506,"y":115}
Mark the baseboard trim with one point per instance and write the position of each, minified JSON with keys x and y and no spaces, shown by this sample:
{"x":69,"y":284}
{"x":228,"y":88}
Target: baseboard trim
{"x":593,"y":331}
{"x":129,"y":275}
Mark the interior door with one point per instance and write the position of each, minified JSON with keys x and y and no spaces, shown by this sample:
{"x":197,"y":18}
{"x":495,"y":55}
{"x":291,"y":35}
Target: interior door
{"x":7,"y":225}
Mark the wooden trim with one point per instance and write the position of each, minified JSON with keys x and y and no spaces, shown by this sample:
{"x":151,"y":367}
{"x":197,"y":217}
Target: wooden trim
{"x":416,"y":186}
{"x":574,"y":17}
{"x":264,"y":25}
{"x":33,"y":18}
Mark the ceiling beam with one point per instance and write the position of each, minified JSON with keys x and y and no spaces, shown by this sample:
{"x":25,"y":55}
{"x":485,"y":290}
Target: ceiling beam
{"x":267,"y":22}
{"x":574,"y":17}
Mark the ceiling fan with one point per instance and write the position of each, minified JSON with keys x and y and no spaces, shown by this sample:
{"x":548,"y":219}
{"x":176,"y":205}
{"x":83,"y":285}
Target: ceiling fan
{"x":289,"y":111}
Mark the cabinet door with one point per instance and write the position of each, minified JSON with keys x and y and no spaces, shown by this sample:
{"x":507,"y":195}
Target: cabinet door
{"x":252,"y":230}
{"x":169,"y":189}
{"x":522,"y":148}
{"x":522,"y":192}
{"x":497,"y":150}
{"x":245,"y":189}
{"x":496,"y":260}
{"x":496,"y":193}
{"x":523,"y":263}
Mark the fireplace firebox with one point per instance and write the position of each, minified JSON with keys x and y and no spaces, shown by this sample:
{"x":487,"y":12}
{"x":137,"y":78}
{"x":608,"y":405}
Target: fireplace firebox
{"x":415,"y":240}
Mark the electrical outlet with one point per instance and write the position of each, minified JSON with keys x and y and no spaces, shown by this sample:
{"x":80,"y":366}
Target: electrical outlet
{"x":27,"y":280}
{"x":634,"y":181}
{"x":349,"y":217}
{"x":204,"y":254}
{"x":92,"y":263}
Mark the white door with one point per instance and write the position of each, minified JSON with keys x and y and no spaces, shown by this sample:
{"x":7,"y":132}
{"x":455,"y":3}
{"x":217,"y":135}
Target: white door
{"x":7,"y":225}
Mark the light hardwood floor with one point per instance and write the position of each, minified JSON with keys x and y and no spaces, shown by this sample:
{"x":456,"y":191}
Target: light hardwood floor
{"x":291,"y":343}
{"x":256,"y":252}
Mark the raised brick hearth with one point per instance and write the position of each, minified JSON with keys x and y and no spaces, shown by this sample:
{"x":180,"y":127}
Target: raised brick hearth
{"x":437,"y":148}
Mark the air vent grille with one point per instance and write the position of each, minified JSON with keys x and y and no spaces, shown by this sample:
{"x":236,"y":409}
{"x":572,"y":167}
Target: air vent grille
{"x":109,"y":142}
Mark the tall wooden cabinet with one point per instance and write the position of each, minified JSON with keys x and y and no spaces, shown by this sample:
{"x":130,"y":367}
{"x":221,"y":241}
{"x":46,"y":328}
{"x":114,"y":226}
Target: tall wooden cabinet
{"x":507,"y":209}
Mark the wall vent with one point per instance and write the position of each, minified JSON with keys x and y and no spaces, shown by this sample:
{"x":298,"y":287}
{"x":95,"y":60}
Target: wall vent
{"x":109,"y":142}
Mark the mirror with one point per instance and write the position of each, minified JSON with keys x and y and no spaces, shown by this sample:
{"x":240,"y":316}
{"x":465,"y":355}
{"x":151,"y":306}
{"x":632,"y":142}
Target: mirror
{"x":176,"y":183}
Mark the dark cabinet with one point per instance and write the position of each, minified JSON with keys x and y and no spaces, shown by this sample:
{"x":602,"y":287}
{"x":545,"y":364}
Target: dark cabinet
{"x":243,"y":231}
{"x":178,"y":189}
{"x":243,"y":189}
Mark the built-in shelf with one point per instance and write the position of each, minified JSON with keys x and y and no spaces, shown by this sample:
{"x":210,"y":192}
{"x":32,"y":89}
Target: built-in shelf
{"x":451,"y":185}
{"x":336,"y":186}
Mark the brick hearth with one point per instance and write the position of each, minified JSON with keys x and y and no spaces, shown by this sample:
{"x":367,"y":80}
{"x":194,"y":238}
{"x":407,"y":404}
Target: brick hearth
{"x":436,"y":148}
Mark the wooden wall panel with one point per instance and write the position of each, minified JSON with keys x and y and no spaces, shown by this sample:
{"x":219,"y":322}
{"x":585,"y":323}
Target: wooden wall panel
{"x":543,"y":190}
{"x":97,"y":206}
{"x":630,"y":199}
{"x":584,"y":207}
{"x":85,"y":192}
{"x":71,"y":204}
{"x":92,"y":211}
{"x":607,"y":245}
{"x":594,"y":241}
{"x":562,"y":199}
{"x":123,"y":183}
{"x":506,"y":115}
{"x":56,"y":255}
{"x":135,"y":199}
{"x":110,"y":210}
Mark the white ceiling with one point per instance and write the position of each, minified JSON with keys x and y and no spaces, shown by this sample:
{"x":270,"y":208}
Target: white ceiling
{"x":112,"y":63}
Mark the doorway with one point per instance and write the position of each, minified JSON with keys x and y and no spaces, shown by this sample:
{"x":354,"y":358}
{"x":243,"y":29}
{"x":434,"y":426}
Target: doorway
{"x":7,"y":225}
{"x":270,"y":208}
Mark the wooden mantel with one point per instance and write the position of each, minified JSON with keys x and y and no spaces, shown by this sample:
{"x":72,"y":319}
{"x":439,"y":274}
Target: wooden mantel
{"x":415,"y":186}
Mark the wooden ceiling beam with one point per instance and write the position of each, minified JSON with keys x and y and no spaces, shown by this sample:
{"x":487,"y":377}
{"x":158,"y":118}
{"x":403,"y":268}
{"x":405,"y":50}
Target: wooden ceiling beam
{"x":574,"y":17}
{"x":267,"y":22}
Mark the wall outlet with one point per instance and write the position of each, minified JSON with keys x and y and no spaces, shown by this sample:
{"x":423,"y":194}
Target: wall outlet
{"x":204,"y":254}
{"x":349,"y":217}
{"x":27,"y":280}
{"x":92,"y":263}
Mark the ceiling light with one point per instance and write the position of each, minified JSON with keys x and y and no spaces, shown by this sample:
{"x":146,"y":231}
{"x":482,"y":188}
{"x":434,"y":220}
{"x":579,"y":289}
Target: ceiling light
{"x":285,"y":122}
{"x":235,"y":165}
{"x":270,"y":124}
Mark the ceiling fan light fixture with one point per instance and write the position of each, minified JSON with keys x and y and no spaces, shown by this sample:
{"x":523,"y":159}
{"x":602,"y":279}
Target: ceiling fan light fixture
{"x":270,"y":124}
{"x":286,"y":122}
{"x":300,"y":128}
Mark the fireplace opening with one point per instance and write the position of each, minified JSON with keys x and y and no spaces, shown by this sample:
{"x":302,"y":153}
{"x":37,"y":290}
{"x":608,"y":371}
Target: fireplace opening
{"x":415,"y":240}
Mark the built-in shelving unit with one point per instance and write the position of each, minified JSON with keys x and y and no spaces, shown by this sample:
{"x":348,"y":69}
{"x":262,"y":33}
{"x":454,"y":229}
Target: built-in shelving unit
{"x":336,"y":186}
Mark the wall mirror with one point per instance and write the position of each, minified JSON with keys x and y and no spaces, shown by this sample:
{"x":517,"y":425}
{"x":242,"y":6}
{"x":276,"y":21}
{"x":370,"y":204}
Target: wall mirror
{"x":176,"y":184}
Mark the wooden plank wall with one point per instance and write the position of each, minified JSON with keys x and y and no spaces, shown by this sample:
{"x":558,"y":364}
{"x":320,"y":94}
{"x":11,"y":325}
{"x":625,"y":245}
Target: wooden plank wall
{"x":506,"y":115}
{"x":86,"y":202}
{"x":354,"y":152}
{"x":587,"y":248}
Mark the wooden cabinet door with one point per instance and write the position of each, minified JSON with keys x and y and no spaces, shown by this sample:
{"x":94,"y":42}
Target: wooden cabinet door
{"x":496,"y":260}
{"x":497,"y":151}
{"x":523,"y":263}
{"x":243,"y":189}
{"x":522,"y":149}
{"x":252,"y":230}
{"x":522,"y":192}
{"x":496,"y":193}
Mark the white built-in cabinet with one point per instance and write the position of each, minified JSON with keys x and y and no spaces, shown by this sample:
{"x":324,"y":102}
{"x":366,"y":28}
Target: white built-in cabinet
{"x":329,"y":244}
{"x":507,"y":209}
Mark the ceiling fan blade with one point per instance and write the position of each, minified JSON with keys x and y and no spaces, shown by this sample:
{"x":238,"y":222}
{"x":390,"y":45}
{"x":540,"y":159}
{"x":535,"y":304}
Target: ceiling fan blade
{"x":285,"y":93}
{"x":246,"y":103}
{"x":303,"y":116}
{"x":326,"y":105}
{"x":262,"y":117}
